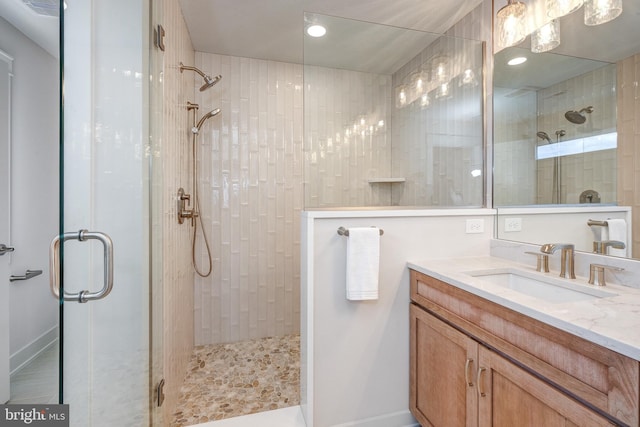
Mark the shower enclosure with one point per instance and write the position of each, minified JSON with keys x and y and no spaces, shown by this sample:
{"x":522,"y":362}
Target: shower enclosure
{"x":392,"y":117}
{"x":100,"y":253}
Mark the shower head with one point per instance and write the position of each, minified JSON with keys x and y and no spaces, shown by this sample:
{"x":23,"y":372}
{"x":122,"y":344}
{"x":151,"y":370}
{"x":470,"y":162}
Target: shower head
{"x":543,"y":135}
{"x":212,"y":113}
{"x":578,"y":117}
{"x":208,"y":80}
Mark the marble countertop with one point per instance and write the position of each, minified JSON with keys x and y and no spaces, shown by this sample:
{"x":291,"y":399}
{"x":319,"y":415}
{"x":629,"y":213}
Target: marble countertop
{"x":612,"y":322}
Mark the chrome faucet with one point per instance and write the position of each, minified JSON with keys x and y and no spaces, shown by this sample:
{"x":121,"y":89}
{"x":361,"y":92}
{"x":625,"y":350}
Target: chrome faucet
{"x":601,"y":247}
{"x":566,"y":259}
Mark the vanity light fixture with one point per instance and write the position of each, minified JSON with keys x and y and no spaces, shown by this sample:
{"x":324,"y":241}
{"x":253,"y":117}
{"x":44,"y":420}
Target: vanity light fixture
{"x":598,"y":12}
{"x":511,"y":23}
{"x":316,"y":30}
{"x":546,"y":37}
{"x":559,"y":8}
{"x":517,"y":60}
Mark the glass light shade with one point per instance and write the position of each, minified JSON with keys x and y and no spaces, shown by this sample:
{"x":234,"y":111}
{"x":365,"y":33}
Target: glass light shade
{"x":598,"y":12}
{"x":510,"y":23}
{"x":424,"y":100}
{"x":546,"y":37}
{"x":443,"y":91}
{"x":418,"y":85}
{"x":401,"y":96}
{"x":559,"y":8}
{"x":440,"y":69}
{"x":468,"y":78}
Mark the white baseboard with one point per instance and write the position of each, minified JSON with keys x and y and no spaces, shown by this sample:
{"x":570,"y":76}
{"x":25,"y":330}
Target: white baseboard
{"x":30,"y":351}
{"x":394,"y":419}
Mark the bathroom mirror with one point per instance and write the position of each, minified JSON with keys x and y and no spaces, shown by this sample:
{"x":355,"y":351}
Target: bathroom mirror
{"x":556,"y":135}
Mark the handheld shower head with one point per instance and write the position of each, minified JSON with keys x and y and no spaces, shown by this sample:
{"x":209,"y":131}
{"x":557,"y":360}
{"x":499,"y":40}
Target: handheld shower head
{"x":212,"y":113}
{"x":208,"y":80}
{"x":543,"y":135}
{"x":578,"y":117}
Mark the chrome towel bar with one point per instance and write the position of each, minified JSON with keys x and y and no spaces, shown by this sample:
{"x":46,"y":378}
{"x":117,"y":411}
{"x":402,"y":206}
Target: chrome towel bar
{"x":345,"y":232}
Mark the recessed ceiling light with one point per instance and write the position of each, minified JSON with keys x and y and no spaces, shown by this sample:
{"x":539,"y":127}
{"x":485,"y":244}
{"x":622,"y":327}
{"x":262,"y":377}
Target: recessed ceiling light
{"x":517,"y":60}
{"x":316,"y":30}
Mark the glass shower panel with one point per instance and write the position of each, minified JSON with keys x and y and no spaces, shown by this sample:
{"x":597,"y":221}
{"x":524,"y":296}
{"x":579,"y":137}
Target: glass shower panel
{"x":392,"y":117}
{"x":106,"y":355}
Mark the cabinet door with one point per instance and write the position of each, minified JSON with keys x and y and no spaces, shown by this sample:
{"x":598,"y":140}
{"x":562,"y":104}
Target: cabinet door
{"x":443,"y":366}
{"x":510,"y":396}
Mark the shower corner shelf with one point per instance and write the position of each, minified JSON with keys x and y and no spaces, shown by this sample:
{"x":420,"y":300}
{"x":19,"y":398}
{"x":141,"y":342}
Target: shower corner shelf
{"x":385,"y":180}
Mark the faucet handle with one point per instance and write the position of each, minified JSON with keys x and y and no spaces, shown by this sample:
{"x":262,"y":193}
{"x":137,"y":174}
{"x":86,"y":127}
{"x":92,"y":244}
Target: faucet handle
{"x":596,"y":273}
{"x":600,"y":247}
{"x":542,"y":261}
{"x":549,"y":248}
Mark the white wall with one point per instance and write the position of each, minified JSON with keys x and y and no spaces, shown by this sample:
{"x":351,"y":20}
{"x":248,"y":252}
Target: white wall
{"x":34,"y":188}
{"x":355,"y":355}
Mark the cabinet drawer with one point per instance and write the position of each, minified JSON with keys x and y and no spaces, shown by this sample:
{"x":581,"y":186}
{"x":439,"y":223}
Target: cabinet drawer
{"x":599,"y":377}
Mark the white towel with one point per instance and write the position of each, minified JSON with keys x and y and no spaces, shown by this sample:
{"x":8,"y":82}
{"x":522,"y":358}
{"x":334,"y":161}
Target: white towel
{"x":363,"y":260}
{"x":616,"y":230}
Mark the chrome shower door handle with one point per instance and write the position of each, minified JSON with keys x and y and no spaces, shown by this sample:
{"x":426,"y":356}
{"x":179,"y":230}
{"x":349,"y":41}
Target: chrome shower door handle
{"x":54,"y":265}
{"x":4,"y":249}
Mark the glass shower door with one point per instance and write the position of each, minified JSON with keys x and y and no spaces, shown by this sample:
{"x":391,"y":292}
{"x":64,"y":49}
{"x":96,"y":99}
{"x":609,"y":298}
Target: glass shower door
{"x":106,"y":353}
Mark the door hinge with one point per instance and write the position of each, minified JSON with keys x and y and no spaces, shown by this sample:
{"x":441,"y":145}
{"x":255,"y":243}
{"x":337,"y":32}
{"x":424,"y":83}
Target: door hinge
{"x":160,"y":392}
{"x":159,"y":34}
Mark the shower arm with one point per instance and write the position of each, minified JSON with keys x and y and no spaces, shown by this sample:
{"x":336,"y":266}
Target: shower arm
{"x":189,"y":68}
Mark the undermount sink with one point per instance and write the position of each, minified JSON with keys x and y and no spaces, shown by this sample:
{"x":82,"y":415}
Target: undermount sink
{"x":536,"y":285}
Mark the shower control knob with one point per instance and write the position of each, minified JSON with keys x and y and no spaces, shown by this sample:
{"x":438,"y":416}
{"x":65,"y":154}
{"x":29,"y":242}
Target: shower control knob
{"x":183,"y":204}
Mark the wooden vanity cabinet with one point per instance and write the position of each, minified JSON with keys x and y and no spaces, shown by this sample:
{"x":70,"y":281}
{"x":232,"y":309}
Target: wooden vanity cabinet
{"x":466,"y":371}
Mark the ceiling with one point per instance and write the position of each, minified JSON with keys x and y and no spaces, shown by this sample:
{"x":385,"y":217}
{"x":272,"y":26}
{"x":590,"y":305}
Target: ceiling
{"x":273,"y":29}
{"x":43,"y":30}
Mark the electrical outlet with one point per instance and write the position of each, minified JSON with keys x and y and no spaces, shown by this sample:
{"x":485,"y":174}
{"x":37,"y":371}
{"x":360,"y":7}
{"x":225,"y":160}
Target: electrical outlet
{"x":475,"y":226}
{"x":512,"y":224}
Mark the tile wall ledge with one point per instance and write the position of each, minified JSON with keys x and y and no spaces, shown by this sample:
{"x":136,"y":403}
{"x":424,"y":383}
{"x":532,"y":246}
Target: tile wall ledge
{"x":393,"y":211}
{"x":547,"y":209}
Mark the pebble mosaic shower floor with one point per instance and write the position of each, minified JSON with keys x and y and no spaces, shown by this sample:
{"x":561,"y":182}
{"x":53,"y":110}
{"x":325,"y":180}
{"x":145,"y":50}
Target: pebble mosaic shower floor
{"x":229,"y":380}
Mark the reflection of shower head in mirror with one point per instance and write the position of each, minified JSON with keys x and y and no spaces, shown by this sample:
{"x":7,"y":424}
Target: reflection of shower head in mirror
{"x":543,"y":135}
{"x":212,"y":113}
{"x":578,"y":117}
{"x":208,"y":80}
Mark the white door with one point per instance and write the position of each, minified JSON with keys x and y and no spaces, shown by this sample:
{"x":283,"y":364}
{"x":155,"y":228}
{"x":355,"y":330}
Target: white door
{"x":5,"y":256}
